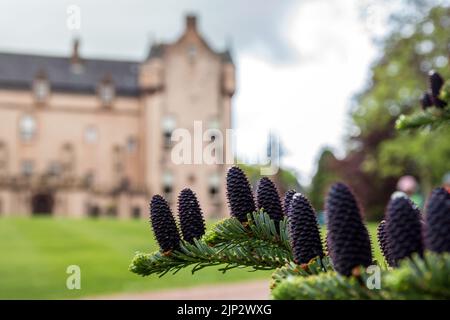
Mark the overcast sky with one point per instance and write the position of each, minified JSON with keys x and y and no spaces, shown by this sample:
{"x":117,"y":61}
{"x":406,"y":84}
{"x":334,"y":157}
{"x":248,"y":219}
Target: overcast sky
{"x":298,"y":62}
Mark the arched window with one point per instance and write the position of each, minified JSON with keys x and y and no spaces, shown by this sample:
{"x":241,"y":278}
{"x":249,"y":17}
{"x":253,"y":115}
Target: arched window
{"x":27,"y":127}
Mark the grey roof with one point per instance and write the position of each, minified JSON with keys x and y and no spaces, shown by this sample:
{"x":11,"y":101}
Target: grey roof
{"x":19,"y":71}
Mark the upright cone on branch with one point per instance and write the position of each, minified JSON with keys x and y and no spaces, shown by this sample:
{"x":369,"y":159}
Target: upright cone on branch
{"x":267,"y":198}
{"x":437,"y":221}
{"x":348,"y":239}
{"x":403,"y":229}
{"x":239,"y":194}
{"x":191,"y":217}
{"x":287,"y":200}
{"x":382,"y":240}
{"x":303,"y":230}
{"x":436,"y":82}
{"x":163,"y":224}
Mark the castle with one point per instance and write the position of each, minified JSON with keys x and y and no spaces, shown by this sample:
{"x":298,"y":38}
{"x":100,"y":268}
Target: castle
{"x":90,"y":137}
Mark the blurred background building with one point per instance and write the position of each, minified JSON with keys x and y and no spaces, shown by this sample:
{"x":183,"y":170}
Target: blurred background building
{"x":91,"y":137}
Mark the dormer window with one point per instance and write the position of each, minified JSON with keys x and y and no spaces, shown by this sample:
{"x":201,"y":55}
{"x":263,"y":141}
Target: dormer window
{"x":27,"y":127}
{"x":41,"y":88}
{"x":106,"y":91}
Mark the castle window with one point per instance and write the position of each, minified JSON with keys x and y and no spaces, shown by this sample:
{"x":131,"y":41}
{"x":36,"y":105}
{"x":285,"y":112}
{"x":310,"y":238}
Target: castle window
{"x":106,"y":91}
{"x":27,"y":128}
{"x":107,"y":94}
{"x":131,"y":144}
{"x":168,"y":126}
{"x":168,"y":185}
{"x":27,"y":168}
{"x":41,"y":88}
{"x":91,"y":134}
{"x":213,"y":186}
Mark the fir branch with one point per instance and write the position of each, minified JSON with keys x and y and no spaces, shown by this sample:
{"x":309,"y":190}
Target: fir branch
{"x":314,"y":267}
{"x":324,"y":286}
{"x":433,"y":118}
{"x":256,"y":245}
{"x":420,"y":278}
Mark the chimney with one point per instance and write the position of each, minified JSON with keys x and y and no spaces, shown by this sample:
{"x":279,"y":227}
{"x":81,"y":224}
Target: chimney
{"x":75,"y":52}
{"x":191,"y":22}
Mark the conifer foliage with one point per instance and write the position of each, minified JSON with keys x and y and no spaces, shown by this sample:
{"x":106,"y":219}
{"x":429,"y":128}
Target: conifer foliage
{"x":265,"y":239}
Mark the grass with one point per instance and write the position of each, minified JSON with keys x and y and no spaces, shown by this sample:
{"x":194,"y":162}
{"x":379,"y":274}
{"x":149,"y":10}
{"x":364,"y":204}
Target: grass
{"x":35,"y":254}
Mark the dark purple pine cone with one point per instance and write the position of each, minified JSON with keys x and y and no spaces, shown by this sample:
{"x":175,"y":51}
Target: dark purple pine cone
{"x":191,"y":217}
{"x":382,"y":240}
{"x":267,"y":198}
{"x":403,"y":229}
{"x":347,"y":239}
{"x":163,"y":224}
{"x":303,"y":230}
{"x":239,"y":194}
{"x":436,"y":83}
{"x":287,"y":200}
{"x":426,"y":101}
{"x":437,"y":221}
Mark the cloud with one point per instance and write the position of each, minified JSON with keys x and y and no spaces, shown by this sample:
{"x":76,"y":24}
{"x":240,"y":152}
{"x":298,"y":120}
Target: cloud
{"x":307,"y":101}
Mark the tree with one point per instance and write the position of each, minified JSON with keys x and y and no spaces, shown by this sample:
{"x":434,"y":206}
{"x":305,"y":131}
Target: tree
{"x":379,"y":154}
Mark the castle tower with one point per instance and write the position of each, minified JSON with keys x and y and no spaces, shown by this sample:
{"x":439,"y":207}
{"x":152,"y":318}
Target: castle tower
{"x":186,"y":83}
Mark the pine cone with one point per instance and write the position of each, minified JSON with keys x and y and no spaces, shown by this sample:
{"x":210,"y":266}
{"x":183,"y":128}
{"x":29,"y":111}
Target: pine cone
{"x":436,"y":82}
{"x":163,"y":224}
{"x":191,"y":217}
{"x":403,"y":229}
{"x":437,"y":221}
{"x":239,"y":194}
{"x":349,"y":241}
{"x":267,"y":198}
{"x":426,"y":101}
{"x":303,"y":230}
{"x":382,"y":240}
{"x":287,"y":200}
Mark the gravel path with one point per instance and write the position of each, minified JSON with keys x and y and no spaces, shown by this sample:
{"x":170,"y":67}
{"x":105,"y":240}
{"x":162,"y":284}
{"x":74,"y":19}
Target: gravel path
{"x":255,"y":290}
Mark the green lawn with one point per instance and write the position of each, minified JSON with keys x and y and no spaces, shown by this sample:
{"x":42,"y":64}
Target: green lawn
{"x":35,"y":253}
